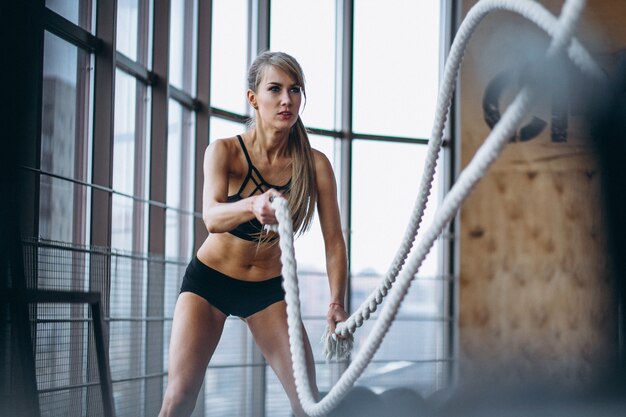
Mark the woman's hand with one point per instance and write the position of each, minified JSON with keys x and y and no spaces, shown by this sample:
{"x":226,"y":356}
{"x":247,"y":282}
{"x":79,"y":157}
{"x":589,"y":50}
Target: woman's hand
{"x":262,"y":207}
{"x":336,"y":314}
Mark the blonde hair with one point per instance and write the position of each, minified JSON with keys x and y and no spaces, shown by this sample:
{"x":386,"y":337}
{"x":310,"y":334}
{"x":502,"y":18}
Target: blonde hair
{"x":302,"y":195}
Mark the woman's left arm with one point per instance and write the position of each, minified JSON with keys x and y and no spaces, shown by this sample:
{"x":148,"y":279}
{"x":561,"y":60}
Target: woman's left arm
{"x":334,"y":243}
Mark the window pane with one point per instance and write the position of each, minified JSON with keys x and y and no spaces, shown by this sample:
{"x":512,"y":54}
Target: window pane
{"x":124,"y":132}
{"x":383,"y":196}
{"x":122,"y":223}
{"x":134,"y":30}
{"x":64,"y":141}
{"x":221,"y":128}
{"x":173,"y":277}
{"x":183,"y":41}
{"x":123,"y":161}
{"x":129,"y":227}
{"x":127,"y":27}
{"x":307,"y":31}
{"x":76,"y":11}
{"x":228,"y":384}
{"x":229,"y":48}
{"x":180,"y":182}
{"x":412,"y":353}
{"x":56,"y":209}
{"x":396,"y":64}
{"x":178,"y":235}
{"x":276,"y":403}
{"x":59,"y":106}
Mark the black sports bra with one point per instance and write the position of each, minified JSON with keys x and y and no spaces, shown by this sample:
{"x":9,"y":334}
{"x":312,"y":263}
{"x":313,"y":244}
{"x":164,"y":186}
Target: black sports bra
{"x":251,"y":230}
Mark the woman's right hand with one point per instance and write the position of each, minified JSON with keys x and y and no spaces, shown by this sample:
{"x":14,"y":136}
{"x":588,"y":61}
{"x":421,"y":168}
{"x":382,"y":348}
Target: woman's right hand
{"x":262,"y":207}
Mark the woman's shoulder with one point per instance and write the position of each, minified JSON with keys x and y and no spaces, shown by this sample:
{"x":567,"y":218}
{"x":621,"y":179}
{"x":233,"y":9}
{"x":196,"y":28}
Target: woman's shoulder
{"x":324,"y":174}
{"x":224,"y":153}
{"x":223,"y":146}
{"x":320,"y":159}
{"x":228,"y":141}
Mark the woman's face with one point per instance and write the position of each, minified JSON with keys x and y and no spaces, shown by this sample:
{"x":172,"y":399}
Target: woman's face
{"x":277,"y":99}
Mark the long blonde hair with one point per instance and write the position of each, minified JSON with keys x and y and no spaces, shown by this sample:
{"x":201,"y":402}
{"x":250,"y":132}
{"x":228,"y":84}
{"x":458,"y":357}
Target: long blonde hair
{"x":302,"y":195}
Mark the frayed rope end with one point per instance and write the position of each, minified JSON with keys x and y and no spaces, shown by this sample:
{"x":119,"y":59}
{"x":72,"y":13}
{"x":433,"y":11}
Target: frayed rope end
{"x":335,"y":347}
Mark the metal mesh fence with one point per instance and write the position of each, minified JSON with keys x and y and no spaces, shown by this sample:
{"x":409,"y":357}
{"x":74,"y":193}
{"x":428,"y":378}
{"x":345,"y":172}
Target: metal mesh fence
{"x":133,"y":301}
{"x":138,"y":294}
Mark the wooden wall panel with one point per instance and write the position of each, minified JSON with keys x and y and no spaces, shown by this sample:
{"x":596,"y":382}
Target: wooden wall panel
{"x":535,"y":293}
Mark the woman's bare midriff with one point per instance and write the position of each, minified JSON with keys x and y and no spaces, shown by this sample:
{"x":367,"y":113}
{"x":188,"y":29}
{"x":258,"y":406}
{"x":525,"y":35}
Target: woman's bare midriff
{"x":240,"y":259}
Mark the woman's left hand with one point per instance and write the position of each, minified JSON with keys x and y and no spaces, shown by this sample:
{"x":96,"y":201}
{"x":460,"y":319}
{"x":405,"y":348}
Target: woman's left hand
{"x":336,"y":314}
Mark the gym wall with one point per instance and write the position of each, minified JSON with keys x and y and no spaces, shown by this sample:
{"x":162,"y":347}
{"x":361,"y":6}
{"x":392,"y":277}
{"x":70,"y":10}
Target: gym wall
{"x":536,"y":297}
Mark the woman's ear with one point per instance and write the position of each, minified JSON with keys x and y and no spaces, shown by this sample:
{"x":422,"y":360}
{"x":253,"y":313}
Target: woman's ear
{"x":252,"y":99}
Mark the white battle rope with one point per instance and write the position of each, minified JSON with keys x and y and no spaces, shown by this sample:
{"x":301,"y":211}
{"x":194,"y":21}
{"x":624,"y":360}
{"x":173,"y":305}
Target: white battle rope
{"x":561,"y":31}
{"x":545,"y":21}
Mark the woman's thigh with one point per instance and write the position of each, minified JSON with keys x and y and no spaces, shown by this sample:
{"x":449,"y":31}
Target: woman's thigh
{"x":196,"y":331}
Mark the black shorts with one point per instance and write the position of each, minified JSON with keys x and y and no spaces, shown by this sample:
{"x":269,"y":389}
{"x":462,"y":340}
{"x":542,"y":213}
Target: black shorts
{"x":230,"y":295}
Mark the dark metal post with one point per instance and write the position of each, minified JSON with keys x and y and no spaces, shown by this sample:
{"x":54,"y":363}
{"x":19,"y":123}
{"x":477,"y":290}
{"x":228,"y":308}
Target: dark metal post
{"x":203,"y":123}
{"x":345,"y":31}
{"x":22,"y":39}
{"x":103,"y":358}
{"x":156,"y":225}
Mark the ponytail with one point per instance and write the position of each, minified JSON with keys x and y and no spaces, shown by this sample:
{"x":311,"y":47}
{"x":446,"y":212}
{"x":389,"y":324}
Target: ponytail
{"x":303,"y":192}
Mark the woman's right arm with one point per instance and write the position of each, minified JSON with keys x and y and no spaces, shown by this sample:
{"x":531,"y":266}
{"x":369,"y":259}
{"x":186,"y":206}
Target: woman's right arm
{"x":218,"y":215}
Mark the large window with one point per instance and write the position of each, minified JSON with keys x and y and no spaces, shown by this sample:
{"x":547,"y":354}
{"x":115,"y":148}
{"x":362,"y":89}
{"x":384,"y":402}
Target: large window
{"x":396,"y":55}
{"x":229,"y":55}
{"x":183,"y":45}
{"x":395,"y":79}
{"x":119,"y":184}
{"x":65,"y":141}
{"x":124,"y":161}
{"x":307,"y":31}
{"x":79,"y":12}
{"x":416,"y":342}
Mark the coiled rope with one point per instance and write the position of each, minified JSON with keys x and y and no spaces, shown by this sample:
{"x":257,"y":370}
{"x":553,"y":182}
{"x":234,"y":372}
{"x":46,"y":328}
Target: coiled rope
{"x":561,"y":32}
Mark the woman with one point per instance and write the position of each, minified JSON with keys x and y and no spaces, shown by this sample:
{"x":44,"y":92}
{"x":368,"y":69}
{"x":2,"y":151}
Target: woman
{"x":237,"y":269}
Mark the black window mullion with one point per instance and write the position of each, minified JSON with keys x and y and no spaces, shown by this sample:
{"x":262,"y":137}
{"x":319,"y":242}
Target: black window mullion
{"x":227,"y":115}
{"x":203,"y":94}
{"x":135,"y":69}
{"x":102,"y":151}
{"x":104,"y":92}
{"x":157,"y":189}
{"x":452,"y":17}
{"x":345,"y":56}
{"x":22,"y":42}
{"x":184,"y":98}
{"x":145,"y":79}
{"x":70,"y":32}
{"x":365,"y":136}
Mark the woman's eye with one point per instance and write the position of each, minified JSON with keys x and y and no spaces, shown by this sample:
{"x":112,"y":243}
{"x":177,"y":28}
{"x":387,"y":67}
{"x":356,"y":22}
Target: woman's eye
{"x":296,"y":90}
{"x":274,"y":89}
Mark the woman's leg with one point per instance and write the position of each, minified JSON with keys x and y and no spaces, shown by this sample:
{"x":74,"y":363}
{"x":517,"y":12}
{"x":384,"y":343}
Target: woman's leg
{"x":269,"y":328}
{"x":196,"y":330}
